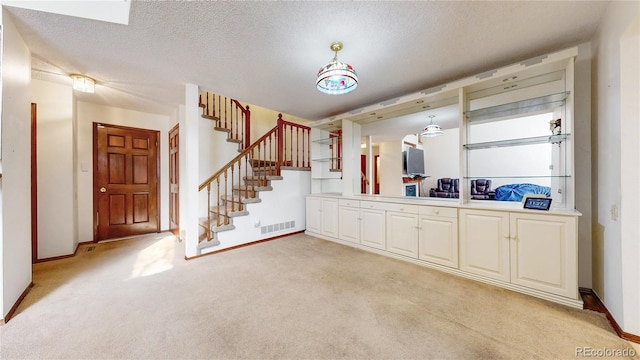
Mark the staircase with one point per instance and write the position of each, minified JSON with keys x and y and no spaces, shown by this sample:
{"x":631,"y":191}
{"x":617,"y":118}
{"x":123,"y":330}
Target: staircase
{"x":240,"y":181}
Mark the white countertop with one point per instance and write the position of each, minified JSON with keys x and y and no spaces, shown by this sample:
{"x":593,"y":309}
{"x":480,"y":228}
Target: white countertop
{"x":513,"y":206}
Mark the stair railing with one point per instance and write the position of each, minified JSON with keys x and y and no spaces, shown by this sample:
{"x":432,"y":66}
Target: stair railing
{"x":287,"y":144}
{"x":229,"y":114}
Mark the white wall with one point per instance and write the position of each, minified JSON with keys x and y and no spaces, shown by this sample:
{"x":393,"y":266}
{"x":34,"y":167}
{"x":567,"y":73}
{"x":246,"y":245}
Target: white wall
{"x":285,"y":203}
{"x":442,"y":158}
{"x":390,"y":169}
{"x":87,"y":114}
{"x":615,"y":130}
{"x":15,"y":185}
{"x":56,"y":218}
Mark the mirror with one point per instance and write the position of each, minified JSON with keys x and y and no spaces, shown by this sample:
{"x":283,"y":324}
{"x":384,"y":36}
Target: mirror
{"x":398,"y":147}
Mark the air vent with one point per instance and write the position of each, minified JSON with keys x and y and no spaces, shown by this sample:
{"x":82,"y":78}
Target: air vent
{"x":266,"y":229}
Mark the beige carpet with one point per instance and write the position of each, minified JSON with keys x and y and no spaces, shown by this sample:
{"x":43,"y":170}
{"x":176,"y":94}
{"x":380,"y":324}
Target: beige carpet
{"x":296,"y":297}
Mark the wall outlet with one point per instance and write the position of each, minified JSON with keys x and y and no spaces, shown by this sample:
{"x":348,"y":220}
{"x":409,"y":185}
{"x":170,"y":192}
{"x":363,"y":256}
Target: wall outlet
{"x":614,"y":212}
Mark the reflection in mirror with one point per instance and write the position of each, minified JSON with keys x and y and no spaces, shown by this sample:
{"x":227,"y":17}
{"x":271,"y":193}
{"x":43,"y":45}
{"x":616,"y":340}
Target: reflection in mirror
{"x":398,"y":145}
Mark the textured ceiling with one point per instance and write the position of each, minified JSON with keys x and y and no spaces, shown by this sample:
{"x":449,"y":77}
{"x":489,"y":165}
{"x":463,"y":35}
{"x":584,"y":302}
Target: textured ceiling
{"x":267,"y":53}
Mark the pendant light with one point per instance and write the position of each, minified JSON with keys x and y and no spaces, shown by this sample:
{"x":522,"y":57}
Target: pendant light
{"x":336,"y":77}
{"x":432,"y":129}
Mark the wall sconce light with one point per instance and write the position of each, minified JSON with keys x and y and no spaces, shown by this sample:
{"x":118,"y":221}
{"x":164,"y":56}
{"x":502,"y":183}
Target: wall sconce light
{"x":83,"y":83}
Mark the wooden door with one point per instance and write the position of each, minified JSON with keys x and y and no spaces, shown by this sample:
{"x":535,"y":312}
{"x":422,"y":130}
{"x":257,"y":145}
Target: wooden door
{"x":174,"y":172}
{"x":34,"y":183}
{"x":125,"y":181}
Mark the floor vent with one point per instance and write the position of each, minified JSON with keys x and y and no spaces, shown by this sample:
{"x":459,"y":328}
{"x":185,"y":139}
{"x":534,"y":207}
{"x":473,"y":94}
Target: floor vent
{"x":90,"y":248}
{"x":277,"y":227}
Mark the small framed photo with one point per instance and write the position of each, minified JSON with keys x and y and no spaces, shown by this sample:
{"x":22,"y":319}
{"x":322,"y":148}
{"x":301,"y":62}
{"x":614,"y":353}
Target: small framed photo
{"x":537,"y":203}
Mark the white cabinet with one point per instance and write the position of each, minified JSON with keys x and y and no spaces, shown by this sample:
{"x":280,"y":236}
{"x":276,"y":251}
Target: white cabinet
{"x":362,"y":225}
{"x":544,"y":252}
{"x":535,"y":251}
{"x":484,"y":243}
{"x":314,"y":215}
{"x":349,"y":227}
{"x":402,"y":233}
{"x":322,"y":216}
{"x":438,"y":235}
{"x":373,"y":228}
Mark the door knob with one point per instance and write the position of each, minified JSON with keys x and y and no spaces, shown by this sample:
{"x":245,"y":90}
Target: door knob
{"x":103,"y":189}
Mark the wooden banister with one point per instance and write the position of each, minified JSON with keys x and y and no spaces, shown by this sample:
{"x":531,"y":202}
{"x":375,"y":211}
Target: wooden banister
{"x":262,"y":160}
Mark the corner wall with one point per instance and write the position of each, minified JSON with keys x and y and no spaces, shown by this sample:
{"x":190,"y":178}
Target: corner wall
{"x":56,"y":218}
{"x":15,"y":184}
{"x":616,"y":158}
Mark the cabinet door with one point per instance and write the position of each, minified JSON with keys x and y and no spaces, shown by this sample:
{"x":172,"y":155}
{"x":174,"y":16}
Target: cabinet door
{"x":314,"y":214}
{"x":484,"y":243}
{"x":329,"y":220}
{"x":544,"y":252}
{"x":438,"y":240}
{"x":402,"y":233}
{"x":349,"y":224}
{"x":373,"y":229}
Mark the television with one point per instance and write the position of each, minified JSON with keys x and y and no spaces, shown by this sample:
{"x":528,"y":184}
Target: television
{"x":413,"y":161}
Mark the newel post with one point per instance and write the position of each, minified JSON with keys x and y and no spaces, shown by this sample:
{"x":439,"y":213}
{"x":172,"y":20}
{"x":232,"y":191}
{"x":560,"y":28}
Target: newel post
{"x":247,"y":128}
{"x":280,"y":134}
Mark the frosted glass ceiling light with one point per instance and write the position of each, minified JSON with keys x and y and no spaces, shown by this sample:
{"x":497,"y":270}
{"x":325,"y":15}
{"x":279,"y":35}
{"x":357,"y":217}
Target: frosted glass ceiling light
{"x":432,"y":129}
{"x":83,"y":83}
{"x":336,"y":77}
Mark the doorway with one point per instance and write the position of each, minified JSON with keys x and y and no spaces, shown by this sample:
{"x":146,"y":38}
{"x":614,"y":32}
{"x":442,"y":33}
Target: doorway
{"x":174,"y":176}
{"x":125,"y":183}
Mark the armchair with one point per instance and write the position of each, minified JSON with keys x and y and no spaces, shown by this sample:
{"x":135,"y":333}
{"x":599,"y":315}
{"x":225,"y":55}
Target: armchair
{"x":481,"y":189}
{"x":447,"y":188}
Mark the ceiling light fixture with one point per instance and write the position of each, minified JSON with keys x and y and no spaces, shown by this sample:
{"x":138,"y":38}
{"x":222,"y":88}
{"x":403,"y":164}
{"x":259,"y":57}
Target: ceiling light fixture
{"x":432,"y":129}
{"x":83,"y":83}
{"x":336,"y":77}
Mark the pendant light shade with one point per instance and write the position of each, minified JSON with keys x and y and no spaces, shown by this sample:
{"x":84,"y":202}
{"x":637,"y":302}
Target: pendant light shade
{"x":336,"y":77}
{"x":432,"y":129}
{"x":83,"y":83}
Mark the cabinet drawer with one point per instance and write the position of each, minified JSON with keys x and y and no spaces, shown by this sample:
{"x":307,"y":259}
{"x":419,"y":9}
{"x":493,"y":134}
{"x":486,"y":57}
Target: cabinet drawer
{"x":439,"y":211}
{"x":372,"y":205}
{"x":351,"y":203}
{"x":405,"y":208}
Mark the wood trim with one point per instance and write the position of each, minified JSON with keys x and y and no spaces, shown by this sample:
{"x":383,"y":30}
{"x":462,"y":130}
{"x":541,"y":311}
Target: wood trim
{"x":75,"y":252}
{"x":15,"y":306}
{"x":34,"y":183}
{"x":593,"y":302}
{"x":243,"y":245}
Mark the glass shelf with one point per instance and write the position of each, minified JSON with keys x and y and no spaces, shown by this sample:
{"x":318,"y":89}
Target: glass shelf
{"x":327,"y":159}
{"x":554,"y":139}
{"x":327,"y":141}
{"x":519,"y":107}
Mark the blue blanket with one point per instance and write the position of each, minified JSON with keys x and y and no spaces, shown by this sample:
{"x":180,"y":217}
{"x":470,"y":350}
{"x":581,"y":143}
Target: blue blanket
{"x":515,"y":192}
